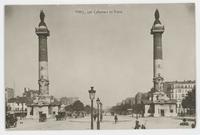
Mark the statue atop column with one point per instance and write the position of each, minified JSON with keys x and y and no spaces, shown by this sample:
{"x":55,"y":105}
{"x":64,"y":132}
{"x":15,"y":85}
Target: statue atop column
{"x":157,"y":16}
{"x":42,"y":15}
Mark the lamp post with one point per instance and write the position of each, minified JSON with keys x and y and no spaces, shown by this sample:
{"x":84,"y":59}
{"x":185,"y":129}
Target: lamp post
{"x":92,"y":97}
{"x":136,"y":107}
{"x":101,"y":111}
{"x":132,"y":107}
{"x":98,"y":122}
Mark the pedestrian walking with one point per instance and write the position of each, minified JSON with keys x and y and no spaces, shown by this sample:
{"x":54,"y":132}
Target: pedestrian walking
{"x":143,"y":126}
{"x":95,"y":116}
{"x":193,"y":125}
{"x":101,"y":117}
{"x":115,"y":118}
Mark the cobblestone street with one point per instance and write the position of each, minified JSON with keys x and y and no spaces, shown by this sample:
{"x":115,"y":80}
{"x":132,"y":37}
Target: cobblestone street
{"x":124,"y":122}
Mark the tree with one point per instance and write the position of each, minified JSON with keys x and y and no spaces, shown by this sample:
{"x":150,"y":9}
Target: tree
{"x":87,"y":109}
{"x":190,"y":101}
{"x":78,"y":106}
{"x":69,"y":108}
{"x":121,"y":108}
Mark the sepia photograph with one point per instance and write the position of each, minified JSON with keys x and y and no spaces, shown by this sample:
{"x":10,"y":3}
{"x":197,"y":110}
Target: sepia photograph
{"x":100,"y":66}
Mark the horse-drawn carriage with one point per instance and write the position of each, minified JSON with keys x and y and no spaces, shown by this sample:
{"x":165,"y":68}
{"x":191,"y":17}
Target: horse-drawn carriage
{"x":184,"y":123}
{"x":11,"y":120}
{"x":42,"y":117}
{"x":61,"y":116}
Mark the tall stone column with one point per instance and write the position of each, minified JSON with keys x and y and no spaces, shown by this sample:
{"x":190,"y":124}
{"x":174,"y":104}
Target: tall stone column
{"x":43,"y":32}
{"x":157,"y":31}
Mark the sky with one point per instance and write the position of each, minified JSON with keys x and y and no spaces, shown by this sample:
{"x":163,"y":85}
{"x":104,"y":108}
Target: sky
{"x":111,"y":51}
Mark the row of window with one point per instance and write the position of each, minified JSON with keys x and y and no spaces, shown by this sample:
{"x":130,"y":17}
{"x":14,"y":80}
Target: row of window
{"x":183,"y":86}
{"x":178,"y":96}
{"x":181,"y":90}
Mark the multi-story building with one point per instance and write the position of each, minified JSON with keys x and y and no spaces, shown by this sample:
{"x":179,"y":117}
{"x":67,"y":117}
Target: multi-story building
{"x":9,"y":93}
{"x":29,"y":93}
{"x":18,"y":105}
{"x":178,"y":90}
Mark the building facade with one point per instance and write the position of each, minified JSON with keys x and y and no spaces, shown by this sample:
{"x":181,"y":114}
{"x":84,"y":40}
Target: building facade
{"x":29,"y":93}
{"x":177,"y":90}
{"x":17,"y":106}
{"x":9,"y":93}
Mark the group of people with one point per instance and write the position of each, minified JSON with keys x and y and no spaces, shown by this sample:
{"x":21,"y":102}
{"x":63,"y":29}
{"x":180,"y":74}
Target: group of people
{"x":186,"y":123}
{"x":137,"y":124}
{"x":142,"y":126}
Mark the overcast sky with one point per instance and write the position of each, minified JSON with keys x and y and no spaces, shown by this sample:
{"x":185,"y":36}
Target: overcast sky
{"x":112,"y":52}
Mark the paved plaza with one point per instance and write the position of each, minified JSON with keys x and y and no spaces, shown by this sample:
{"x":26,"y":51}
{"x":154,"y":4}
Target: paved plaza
{"x":124,"y":122}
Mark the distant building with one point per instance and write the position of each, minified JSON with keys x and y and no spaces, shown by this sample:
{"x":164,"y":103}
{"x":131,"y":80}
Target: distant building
{"x":123,"y":102}
{"x":178,"y":90}
{"x":68,"y":100}
{"x":29,"y":93}
{"x":18,"y":105}
{"x":9,"y":93}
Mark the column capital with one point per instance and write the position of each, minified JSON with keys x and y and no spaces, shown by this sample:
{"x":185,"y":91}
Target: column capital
{"x":158,"y":28}
{"x":42,"y":31}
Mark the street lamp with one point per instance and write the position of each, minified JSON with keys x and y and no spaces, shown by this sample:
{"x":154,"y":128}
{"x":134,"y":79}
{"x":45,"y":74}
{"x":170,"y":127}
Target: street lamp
{"x":136,"y":106}
{"x":92,"y":97}
{"x":98,"y":122}
{"x":132,"y":106}
{"x":101,"y":111}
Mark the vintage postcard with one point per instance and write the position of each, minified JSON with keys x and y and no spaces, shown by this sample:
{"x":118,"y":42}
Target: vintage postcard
{"x":100,"y":66}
